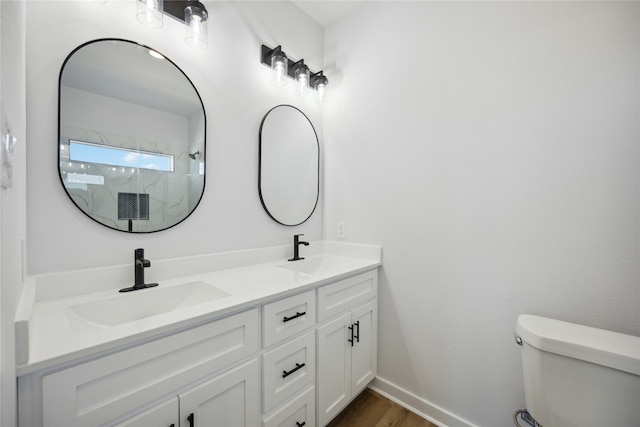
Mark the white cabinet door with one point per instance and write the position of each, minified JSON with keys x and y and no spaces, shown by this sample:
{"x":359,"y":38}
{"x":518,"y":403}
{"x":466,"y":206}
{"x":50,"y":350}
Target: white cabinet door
{"x":364,"y":354}
{"x":229,"y":400}
{"x":334,"y":367}
{"x":163,"y":415}
{"x":347,"y":358}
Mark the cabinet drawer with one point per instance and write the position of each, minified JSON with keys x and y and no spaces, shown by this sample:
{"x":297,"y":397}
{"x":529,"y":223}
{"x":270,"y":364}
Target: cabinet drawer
{"x":300,"y":410}
{"x":285,"y":318}
{"x":287,"y":369}
{"x":343,"y":295}
{"x":98,"y":391}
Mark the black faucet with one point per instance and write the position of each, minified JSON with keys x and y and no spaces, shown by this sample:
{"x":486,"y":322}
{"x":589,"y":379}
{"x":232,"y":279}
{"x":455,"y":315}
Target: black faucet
{"x":139,"y":264}
{"x":296,"y":245}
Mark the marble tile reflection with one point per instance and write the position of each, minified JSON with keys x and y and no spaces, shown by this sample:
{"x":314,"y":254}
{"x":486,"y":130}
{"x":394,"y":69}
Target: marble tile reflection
{"x":172,"y":195}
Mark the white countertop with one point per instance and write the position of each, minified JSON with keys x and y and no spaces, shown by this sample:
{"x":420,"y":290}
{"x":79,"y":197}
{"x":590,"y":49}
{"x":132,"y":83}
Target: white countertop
{"x":48,"y":333}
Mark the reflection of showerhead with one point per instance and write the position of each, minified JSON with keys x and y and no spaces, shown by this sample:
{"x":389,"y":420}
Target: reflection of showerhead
{"x":194,"y":155}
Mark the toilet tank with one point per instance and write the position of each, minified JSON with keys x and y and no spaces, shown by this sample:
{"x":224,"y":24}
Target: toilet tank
{"x":575,"y":375}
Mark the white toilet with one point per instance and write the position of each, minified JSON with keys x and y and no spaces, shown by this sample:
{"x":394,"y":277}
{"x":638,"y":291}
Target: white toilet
{"x":579,"y":376}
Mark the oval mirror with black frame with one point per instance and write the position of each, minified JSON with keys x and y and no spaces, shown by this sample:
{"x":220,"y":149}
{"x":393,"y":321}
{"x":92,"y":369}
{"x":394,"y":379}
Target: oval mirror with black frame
{"x":289,"y":170}
{"x":131,"y":135}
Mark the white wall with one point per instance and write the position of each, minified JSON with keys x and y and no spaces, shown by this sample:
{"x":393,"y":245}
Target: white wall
{"x":236,"y":92}
{"x":12,"y":200}
{"x":492,"y":149}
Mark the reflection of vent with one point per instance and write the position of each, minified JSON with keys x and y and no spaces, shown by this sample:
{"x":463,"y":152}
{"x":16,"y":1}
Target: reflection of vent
{"x":133,"y":206}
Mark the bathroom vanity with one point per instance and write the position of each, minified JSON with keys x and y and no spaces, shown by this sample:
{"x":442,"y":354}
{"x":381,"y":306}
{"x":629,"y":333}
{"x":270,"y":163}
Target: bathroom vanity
{"x":246,"y":339}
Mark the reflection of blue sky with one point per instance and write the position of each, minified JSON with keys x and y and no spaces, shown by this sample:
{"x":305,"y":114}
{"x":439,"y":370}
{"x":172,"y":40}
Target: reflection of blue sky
{"x":93,"y":153}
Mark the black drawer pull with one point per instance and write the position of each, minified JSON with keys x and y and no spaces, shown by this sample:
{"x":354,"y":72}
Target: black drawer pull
{"x":192,"y":422}
{"x":298,"y":314}
{"x":351,"y":339}
{"x":172,"y":425}
{"x":301,"y":424}
{"x":357,"y":334}
{"x":285,"y":374}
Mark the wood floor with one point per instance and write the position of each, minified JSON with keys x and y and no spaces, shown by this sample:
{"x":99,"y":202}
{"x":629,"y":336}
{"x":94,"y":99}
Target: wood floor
{"x":373,"y":410}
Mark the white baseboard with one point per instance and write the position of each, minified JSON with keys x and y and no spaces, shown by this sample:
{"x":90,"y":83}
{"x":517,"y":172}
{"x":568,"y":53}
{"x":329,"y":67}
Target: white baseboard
{"x":418,"y":405}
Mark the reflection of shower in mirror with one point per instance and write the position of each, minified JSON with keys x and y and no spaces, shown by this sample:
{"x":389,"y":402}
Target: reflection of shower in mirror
{"x":86,"y":123}
{"x":194,"y":155}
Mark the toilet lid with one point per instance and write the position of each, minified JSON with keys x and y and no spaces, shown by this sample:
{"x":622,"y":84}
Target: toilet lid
{"x":607,"y":348}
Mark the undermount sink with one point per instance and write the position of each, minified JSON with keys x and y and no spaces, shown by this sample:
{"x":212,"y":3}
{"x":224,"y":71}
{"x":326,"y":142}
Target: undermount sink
{"x":308,"y":265}
{"x":141,"y":304}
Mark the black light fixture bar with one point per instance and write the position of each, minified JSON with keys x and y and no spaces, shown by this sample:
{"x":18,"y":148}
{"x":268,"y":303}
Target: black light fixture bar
{"x":175,"y":9}
{"x":267,"y":52}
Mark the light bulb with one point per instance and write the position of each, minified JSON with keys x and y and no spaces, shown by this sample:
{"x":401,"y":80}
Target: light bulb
{"x":150,"y":13}
{"x":301,"y":74}
{"x":279,"y":64}
{"x":303,"y":83}
{"x":197,"y":27}
{"x":320,"y":83}
{"x":320,"y":89}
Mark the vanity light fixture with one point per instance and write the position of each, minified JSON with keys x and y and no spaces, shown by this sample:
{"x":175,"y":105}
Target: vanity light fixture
{"x":319,"y":82}
{"x":301,"y":76}
{"x":191,"y":13}
{"x":196,"y":18}
{"x":149,"y":13}
{"x":277,"y":60}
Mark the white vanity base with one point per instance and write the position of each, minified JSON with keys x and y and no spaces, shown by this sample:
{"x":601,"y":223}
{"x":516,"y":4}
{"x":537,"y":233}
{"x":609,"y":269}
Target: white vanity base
{"x":292,"y":343}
